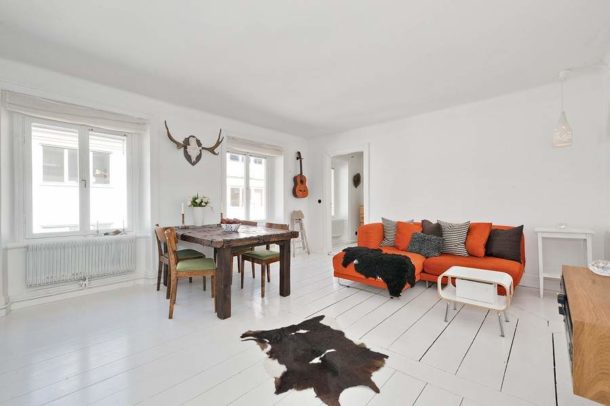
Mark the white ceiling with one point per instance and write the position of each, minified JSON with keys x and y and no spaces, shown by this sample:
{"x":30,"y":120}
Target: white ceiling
{"x":309,"y":67}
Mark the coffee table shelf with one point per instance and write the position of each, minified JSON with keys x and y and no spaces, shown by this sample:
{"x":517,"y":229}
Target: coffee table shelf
{"x":499,"y":303}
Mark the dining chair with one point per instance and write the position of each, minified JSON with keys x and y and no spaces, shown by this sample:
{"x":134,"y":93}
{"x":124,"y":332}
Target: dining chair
{"x":164,"y":259}
{"x":264,"y":258}
{"x":185,"y":268}
{"x":242,"y":250}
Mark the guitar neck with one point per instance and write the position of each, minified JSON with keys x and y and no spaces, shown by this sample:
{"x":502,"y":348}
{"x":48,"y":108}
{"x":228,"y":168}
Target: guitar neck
{"x":301,"y":165}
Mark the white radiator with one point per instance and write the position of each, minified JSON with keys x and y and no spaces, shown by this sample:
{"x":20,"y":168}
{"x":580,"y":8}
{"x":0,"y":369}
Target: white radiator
{"x":70,"y":260}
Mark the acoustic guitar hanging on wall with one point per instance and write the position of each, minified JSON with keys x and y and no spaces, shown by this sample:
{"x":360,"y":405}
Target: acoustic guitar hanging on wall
{"x":300,"y":181}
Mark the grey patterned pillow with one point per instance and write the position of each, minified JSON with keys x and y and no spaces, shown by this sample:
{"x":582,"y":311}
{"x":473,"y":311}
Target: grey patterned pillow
{"x":454,"y":237}
{"x":389,"y":231}
{"x":426,"y":245}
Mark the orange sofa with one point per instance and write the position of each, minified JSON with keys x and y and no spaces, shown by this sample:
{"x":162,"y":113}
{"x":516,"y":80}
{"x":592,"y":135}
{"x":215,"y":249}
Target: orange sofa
{"x":427,"y":269}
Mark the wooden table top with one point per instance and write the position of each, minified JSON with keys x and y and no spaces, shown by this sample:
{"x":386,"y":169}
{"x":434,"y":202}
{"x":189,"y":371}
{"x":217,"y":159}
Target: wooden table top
{"x":214,"y":236}
{"x":588,"y":295}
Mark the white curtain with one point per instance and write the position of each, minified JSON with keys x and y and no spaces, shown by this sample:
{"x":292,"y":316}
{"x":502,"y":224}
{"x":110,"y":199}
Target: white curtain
{"x":241,"y":145}
{"x":60,"y":111}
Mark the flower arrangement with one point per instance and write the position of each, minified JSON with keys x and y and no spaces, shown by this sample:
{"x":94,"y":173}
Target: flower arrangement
{"x":199,"y":201}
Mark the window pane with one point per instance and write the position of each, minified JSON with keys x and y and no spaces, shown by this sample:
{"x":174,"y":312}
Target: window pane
{"x":100,"y":167}
{"x":108,"y":193}
{"x":72,"y":165}
{"x":236,"y":184}
{"x":52,"y":164}
{"x":55,"y":202}
{"x":257,"y":169}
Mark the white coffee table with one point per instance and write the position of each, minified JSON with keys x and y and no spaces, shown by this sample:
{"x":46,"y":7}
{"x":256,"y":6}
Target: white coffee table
{"x":479,"y":288}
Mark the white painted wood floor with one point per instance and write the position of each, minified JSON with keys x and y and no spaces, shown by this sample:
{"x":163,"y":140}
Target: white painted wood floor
{"x":119,"y":348}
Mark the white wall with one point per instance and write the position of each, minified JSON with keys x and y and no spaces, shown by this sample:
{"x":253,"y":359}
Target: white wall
{"x":491,"y":160}
{"x":167,"y":179}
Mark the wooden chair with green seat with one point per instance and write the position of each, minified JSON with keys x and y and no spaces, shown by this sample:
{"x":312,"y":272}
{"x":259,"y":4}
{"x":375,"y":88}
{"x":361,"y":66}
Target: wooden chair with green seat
{"x":264,"y":258}
{"x":241,"y":251}
{"x":164,"y":259}
{"x":185,"y":268}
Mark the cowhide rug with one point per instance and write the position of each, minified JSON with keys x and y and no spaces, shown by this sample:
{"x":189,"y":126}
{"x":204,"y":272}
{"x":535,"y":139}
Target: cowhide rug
{"x":319,"y":357}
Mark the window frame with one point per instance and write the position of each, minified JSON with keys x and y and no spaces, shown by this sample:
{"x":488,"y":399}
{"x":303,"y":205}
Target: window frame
{"x":22,"y":127}
{"x":247,"y":195}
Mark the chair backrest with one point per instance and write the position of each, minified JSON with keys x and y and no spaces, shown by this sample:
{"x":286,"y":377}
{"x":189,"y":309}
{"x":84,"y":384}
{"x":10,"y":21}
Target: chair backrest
{"x":170,"y":238}
{"x":297,"y":215}
{"x":277,"y":226}
{"x":248,"y":223}
{"x":161,"y":240}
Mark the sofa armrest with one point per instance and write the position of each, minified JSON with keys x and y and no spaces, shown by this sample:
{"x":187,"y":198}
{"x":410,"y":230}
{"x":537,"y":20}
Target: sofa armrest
{"x":370,"y":235}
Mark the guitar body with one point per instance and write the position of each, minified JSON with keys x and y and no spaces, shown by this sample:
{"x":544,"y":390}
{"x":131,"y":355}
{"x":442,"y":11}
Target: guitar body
{"x":300,"y":189}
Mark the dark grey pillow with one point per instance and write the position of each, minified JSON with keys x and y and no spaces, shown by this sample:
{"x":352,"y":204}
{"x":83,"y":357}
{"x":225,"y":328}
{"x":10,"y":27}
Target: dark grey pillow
{"x":505,"y":244}
{"x":431,"y":228}
{"x":426,"y":245}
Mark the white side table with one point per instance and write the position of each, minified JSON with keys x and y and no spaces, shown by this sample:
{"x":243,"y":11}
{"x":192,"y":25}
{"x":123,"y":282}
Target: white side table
{"x":561,"y":233}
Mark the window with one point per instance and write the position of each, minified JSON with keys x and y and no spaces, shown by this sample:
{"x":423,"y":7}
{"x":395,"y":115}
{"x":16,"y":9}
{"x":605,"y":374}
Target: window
{"x":61,"y":197}
{"x":246,"y":187}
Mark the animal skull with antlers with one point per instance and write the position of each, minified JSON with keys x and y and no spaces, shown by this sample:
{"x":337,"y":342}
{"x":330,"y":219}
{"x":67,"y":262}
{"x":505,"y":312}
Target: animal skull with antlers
{"x":192,"y":147}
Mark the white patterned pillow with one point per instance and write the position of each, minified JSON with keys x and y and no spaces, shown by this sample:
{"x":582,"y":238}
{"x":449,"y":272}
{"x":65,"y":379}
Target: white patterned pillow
{"x":389,"y":232}
{"x":454,"y":237}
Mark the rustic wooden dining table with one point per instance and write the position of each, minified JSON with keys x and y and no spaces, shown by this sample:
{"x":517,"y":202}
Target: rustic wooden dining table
{"x":227,"y":243}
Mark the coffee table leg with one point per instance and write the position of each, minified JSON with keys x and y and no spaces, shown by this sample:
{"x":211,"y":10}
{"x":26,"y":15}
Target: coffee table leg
{"x":501,"y":326}
{"x":224,"y":262}
{"x":446,"y":311}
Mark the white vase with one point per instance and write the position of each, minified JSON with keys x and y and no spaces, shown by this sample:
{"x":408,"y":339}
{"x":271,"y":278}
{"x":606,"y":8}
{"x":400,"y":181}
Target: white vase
{"x":199,"y":215}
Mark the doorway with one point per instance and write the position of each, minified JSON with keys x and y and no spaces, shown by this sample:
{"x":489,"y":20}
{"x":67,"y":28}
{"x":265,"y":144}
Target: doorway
{"x":347,"y":203}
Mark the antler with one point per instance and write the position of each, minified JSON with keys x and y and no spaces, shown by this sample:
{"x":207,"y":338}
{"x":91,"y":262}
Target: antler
{"x":219,"y":141}
{"x":172,"y":139}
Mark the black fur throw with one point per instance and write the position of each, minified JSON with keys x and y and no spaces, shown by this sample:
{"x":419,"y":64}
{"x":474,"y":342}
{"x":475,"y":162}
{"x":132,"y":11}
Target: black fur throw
{"x":395,"y":270}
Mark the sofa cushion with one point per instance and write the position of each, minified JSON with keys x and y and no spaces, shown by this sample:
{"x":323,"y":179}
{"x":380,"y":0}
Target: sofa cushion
{"x":404,"y":231}
{"x":416,"y":259}
{"x":438,"y":265}
{"x":431,"y":228}
{"x":389,"y":232}
{"x":426,"y":245}
{"x":478,"y":233}
{"x":370,"y":235}
{"x":454,"y":237}
{"x":505,"y":244}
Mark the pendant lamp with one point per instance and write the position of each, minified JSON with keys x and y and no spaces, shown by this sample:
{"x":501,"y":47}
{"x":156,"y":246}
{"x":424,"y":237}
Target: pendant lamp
{"x":562,"y":136}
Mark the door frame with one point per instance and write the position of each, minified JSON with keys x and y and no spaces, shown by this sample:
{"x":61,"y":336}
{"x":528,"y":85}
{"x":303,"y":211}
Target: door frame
{"x":327,"y":164}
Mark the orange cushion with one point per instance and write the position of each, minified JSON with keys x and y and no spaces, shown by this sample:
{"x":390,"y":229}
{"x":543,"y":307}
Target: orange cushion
{"x":478,"y":233}
{"x":416,"y":259}
{"x":438,"y":265}
{"x":404,"y":232}
{"x":370,"y":235}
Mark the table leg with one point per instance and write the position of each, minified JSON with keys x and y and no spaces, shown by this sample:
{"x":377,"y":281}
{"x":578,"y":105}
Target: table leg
{"x":285,"y":268}
{"x":446,"y":311}
{"x":222,"y":298}
{"x":501,"y":326}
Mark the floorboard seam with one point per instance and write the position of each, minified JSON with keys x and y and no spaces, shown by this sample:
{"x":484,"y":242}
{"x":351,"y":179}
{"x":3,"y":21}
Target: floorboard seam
{"x":391,"y":314}
{"x":415,"y":322}
{"x":510,"y":351}
{"x":441,"y":333}
{"x":471,"y":342}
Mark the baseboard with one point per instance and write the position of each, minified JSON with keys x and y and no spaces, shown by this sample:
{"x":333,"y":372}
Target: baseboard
{"x":61,"y":292}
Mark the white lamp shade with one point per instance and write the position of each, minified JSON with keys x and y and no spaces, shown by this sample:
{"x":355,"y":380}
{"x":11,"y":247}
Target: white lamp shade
{"x":562,"y":136}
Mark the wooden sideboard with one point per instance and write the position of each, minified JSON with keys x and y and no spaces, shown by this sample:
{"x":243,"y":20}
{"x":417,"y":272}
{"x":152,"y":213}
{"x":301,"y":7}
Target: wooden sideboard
{"x":585,"y":304}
